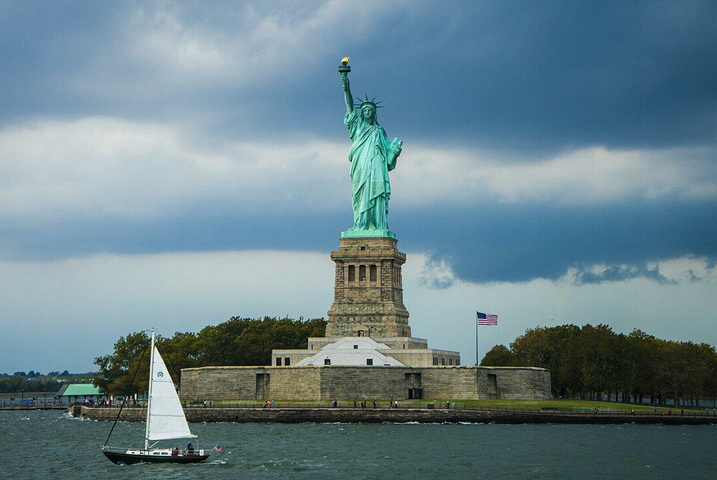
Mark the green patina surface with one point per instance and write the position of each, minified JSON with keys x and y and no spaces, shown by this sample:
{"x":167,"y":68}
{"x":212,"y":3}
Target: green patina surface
{"x":359,"y":233}
{"x":372,"y":156}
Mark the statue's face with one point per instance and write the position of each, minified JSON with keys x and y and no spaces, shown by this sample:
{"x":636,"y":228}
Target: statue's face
{"x":368,"y":113}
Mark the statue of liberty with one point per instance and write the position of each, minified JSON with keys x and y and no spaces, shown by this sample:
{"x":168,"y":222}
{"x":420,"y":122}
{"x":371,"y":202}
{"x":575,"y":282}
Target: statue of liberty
{"x":372,"y":156}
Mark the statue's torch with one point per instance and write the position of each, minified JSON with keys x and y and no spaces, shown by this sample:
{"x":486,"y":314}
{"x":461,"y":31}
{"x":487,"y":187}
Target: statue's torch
{"x":344,"y":68}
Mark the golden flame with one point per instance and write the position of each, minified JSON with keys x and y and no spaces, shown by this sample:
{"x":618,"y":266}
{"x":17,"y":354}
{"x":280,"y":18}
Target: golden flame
{"x":345,"y":61}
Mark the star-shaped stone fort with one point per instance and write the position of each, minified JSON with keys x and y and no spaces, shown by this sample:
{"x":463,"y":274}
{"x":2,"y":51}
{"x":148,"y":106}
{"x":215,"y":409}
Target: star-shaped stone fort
{"x":368,"y":352}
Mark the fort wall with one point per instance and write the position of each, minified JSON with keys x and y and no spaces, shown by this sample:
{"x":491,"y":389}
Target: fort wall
{"x":363,"y":383}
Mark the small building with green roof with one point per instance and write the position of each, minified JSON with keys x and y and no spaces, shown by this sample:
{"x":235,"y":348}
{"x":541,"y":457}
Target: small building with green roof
{"x":75,"y":391}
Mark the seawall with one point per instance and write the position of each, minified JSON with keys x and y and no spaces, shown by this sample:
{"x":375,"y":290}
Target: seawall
{"x":394,"y":415}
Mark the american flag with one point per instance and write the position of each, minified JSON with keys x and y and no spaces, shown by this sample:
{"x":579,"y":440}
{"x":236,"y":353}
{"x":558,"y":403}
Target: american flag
{"x":487,"y":319}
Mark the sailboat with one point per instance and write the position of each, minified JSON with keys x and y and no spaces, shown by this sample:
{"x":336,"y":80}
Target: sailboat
{"x":165,"y":421}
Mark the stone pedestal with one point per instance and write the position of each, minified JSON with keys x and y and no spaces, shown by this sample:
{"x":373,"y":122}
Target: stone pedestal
{"x":368,"y":290}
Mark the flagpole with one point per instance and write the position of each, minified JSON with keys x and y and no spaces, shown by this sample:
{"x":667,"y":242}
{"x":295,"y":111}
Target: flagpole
{"x":476,"y":320}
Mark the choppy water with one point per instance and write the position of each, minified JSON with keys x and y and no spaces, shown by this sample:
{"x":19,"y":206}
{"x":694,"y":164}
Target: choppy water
{"x":45,"y":444}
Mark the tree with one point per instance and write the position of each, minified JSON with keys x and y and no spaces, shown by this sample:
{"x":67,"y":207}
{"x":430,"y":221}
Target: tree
{"x":600,"y":361}
{"x":498,"y":356}
{"x":11,"y":384}
{"x":238,"y":341}
{"x":709,"y":387}
{"x":591,"y":361}
{"x":550,"y":348}
{"x":640,"y":369}
{"x":180,"y":351}
{"x":117,"y":370}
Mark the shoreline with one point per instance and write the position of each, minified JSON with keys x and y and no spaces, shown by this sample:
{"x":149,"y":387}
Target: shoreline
{"x":394,"y":415}
{"x":34,"y":407}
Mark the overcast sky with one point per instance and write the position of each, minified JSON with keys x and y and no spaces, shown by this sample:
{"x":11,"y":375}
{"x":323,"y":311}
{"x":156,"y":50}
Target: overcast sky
{"x":174,"y":164}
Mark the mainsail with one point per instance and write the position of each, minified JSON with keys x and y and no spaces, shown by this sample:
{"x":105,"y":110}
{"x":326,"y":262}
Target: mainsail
{"x":165,"y":417}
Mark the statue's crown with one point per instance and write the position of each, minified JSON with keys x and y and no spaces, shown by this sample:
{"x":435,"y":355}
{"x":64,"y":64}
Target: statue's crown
{"x":365,"y":101}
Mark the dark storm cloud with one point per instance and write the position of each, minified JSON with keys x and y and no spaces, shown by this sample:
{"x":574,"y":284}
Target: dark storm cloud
{"x":504,"y":77}
{"x":203,"y":230}
{"x":44,"y":46}
{"x":520,"y":76}
{"x":491,"y":243}
{"x":621,"y":274}
{"x":553,"y":75}
{"x":519,"y":243}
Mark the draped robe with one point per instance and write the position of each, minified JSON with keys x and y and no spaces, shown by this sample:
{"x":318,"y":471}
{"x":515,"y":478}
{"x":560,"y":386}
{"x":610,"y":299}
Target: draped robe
{"x":371,"y":157}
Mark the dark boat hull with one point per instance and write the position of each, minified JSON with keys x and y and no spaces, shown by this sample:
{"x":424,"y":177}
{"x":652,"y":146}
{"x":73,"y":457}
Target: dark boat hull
{"x":122,"y":458}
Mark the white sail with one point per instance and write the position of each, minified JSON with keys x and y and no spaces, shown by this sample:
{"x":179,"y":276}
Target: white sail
{"x":165,"y":417}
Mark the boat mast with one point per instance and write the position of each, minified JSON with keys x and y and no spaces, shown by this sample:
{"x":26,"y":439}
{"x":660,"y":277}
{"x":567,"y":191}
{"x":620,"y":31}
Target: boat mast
{"x":149,"y":393}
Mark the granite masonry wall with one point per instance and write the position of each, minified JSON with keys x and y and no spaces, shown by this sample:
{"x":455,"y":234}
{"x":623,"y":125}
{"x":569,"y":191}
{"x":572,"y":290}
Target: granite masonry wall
{"x":363,"y":383}
{"x":527,"y":383}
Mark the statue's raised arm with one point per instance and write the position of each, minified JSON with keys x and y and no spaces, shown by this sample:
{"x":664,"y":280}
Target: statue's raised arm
{"x":344,"y":70}
{"x":372,"y":156}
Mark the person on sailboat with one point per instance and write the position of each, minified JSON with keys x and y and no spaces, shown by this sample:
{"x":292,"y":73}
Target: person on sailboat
{"x":190,"y":449}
